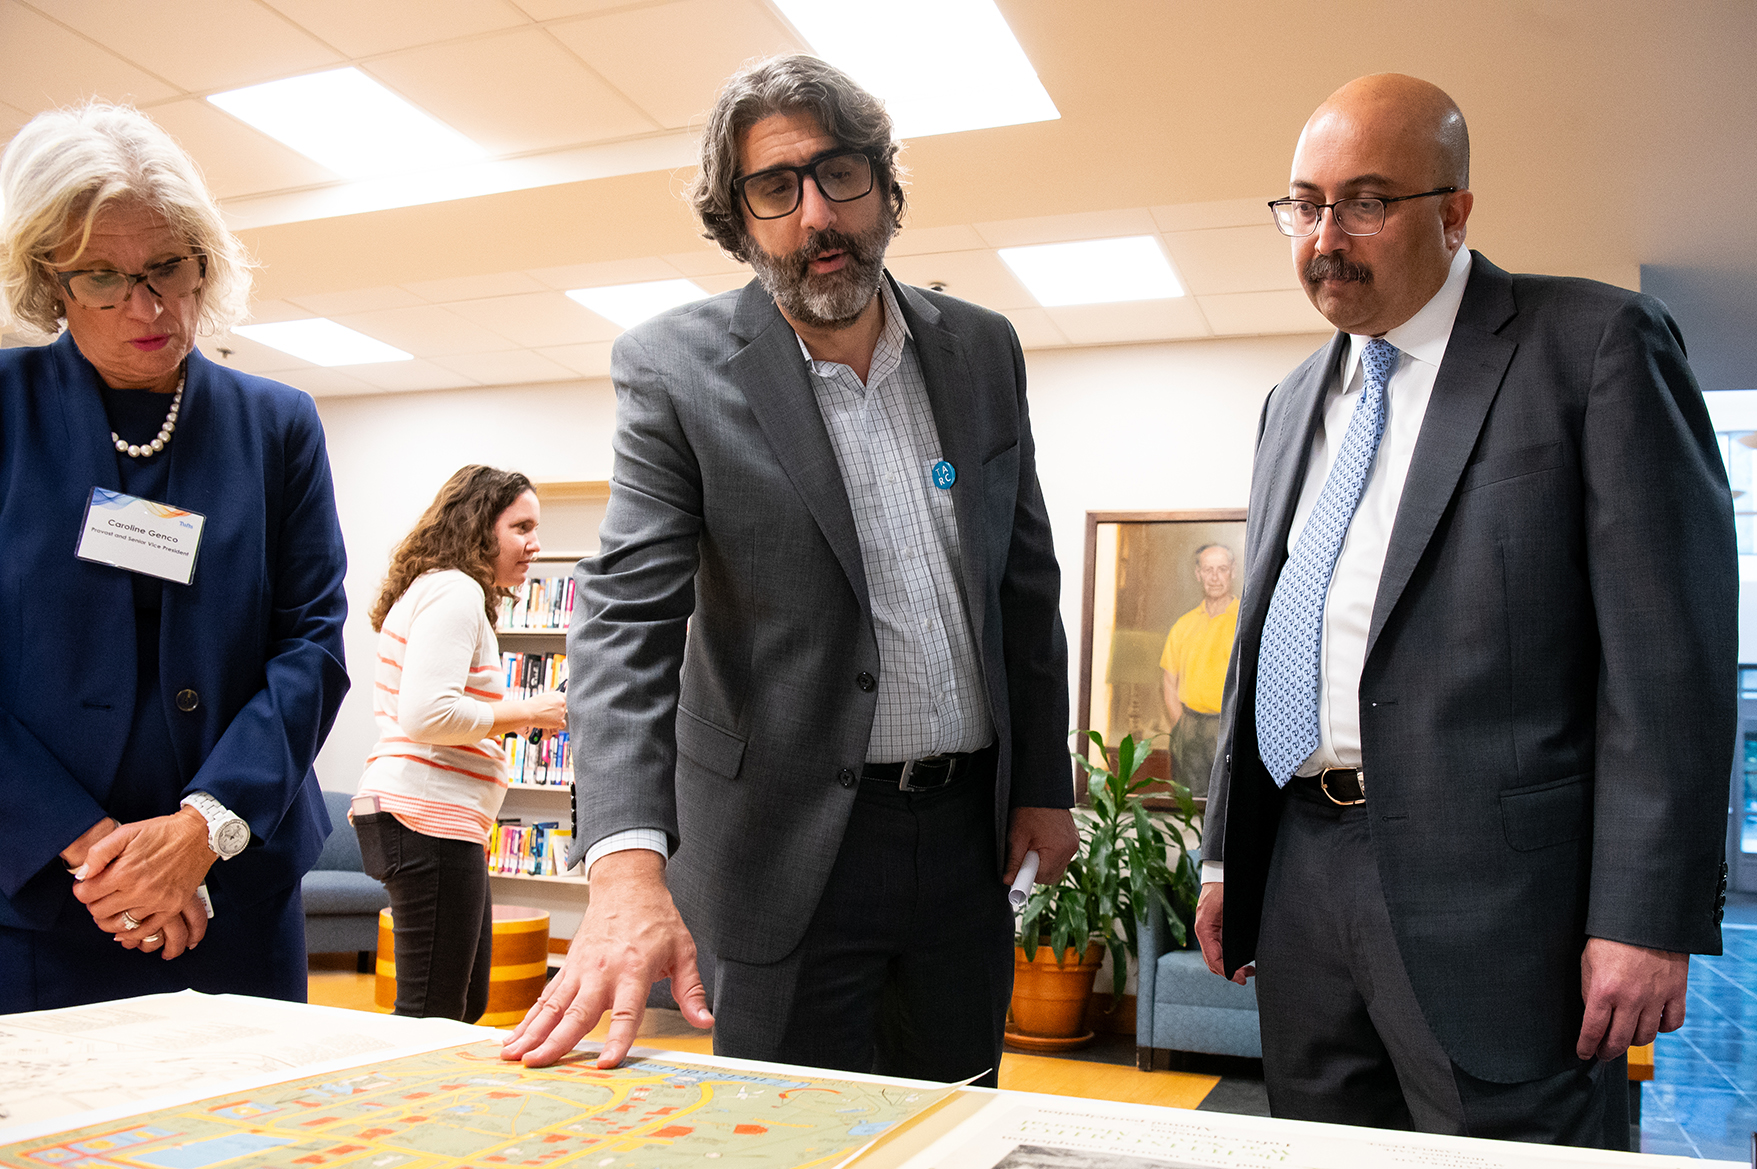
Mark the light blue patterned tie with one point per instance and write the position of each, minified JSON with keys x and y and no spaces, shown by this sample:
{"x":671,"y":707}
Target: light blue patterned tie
{"x":1287,"y":663}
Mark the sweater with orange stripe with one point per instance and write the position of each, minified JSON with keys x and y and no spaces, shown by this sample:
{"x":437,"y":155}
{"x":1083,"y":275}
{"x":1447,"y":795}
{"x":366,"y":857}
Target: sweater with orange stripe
{"x":438,"y":669}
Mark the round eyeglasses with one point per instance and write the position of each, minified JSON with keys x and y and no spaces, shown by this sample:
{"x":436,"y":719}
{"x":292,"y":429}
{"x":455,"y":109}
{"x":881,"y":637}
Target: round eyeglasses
{"x":1366,"y":216}
{"x":842,"y":176}
{"x":107,"y":288}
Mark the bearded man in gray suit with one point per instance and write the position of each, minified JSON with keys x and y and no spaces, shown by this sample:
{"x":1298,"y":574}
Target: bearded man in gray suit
{"x":828,"y":784}
{"x":1469,"y":802}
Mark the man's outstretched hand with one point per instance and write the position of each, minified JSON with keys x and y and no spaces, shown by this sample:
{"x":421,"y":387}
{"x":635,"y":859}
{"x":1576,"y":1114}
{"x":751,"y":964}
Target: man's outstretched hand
{"x":630,"y":938}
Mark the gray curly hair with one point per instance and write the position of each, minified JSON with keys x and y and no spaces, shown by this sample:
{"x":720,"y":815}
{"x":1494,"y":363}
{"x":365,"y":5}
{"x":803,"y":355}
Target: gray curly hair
{"x":798,"y":83}
{"x":60,"y":171}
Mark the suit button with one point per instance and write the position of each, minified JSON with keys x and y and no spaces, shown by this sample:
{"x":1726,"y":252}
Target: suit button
{"x":847,"y":777}
{"x":187,"y":700}
{"x":866,"y":681}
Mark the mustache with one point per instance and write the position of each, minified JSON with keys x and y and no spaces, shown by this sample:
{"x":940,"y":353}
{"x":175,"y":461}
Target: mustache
{"x":798,"y":262}
{"x":1335,"y":267}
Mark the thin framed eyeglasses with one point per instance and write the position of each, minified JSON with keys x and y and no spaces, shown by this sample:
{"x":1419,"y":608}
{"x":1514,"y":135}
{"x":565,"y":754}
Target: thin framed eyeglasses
{"x":107,"y":288}
{"x":842,"y":176}
{"x":1365,"y":216}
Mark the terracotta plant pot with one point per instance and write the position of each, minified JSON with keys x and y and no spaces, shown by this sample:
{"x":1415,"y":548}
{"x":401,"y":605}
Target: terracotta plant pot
{"x":1049,"y":998}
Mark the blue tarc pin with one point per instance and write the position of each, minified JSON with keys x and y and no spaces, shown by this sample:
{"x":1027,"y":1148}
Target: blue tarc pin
{"x":944,"y":475}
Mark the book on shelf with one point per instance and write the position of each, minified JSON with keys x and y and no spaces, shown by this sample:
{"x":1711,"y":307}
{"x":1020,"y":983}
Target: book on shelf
{"x":547,"y":762}
{"x":544,"y":603}
{"x":528,"y":850}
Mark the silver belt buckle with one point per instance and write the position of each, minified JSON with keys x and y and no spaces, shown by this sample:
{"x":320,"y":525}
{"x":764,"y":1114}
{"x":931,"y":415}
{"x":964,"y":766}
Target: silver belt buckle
{"x":903,"y":783}
{"x":1360,"y":778}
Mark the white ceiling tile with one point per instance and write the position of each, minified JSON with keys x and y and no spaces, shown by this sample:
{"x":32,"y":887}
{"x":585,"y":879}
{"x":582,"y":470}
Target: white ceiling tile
{"x":473,"y":287}
{"x":357,"y":300}
{"x":634,"y":271}
{"x":1035,"y":329}
{"x":1243,"y":313}
{"x":250,"y":356}
{"x":977,"y":276}
{"x":512,"y":92}
{"x":716,"y":284}
{"x":1232,"y":259}
{"x":12,"y":119}
{"x":918,"y":241}
{"x":1221,"y":213}
{"x":426,"y":331}
{"x":264,"y":312}
{"x":321,"y":382}
{"x":513,"y":368}
{"x":551,"y":9}
{"x":398,"y":376}
{"x":47,"y":65}
{"x":674,"y":77}
{"x":236,"y":159}
{"x":590,"y":360}
{"x":1138,"y":320}
{"x":383,"y":26}
{"x":710,"y":261}
{"x":537,"y":318}
{"x":200,"y":44}
{"x":1049,"y":229}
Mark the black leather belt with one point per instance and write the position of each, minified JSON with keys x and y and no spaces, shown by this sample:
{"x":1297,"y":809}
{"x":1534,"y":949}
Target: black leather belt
{"x":1343,"y":786}
{"x":920,"y":775}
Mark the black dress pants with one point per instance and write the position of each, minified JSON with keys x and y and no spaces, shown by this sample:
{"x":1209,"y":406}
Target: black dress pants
{"x":442,"y":916}
{"x":907,"y":966}
{"x":1344,"y":1039}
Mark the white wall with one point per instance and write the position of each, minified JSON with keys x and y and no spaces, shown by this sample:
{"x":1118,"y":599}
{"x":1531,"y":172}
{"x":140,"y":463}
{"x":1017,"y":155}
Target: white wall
{"x":1160,"y":426}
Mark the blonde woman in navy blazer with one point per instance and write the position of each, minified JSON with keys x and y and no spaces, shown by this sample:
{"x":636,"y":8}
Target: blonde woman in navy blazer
{"x":156,"y":738}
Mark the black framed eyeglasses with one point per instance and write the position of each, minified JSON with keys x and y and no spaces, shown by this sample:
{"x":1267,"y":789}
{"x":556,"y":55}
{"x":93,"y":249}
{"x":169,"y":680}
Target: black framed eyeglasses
{"x":842,"y":176}
{"x":107,"y":288}
{"x":1364,"y":216}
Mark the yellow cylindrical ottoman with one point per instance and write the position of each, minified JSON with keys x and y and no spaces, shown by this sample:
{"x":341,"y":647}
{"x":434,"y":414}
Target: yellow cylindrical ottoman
{"x":516,"y":978}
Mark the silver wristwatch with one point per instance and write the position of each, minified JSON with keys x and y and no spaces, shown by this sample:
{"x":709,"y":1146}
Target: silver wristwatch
{"x":227,"y":834}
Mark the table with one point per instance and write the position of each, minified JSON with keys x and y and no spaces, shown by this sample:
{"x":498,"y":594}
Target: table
{"x":61,"y":1071}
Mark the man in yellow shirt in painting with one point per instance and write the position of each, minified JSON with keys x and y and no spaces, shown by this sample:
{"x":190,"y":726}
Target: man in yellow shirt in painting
{"x":1193,"y":666}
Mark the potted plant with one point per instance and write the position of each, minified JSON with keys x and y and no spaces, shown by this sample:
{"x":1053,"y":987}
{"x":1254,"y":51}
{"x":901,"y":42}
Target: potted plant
{"x":1124,"y":865}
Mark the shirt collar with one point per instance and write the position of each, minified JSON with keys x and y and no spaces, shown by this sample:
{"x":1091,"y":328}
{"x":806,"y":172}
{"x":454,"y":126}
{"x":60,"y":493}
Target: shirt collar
{"x":1424,"y":335}
{"x":887,"y":354}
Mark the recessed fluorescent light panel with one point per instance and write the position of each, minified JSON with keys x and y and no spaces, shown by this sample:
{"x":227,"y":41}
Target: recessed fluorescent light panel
{"x":1095,"y":271}
{"x":939,"y":65}
{"x":630,"y":304}
{"x":349,"y":123}
{"x":322,"y":342}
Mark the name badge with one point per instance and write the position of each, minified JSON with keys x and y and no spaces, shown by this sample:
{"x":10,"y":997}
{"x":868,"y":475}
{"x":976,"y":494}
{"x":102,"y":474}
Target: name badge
{"x":136,"y":534}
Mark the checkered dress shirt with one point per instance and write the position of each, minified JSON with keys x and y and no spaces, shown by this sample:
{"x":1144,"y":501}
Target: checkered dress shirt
{"x":930,"y":693}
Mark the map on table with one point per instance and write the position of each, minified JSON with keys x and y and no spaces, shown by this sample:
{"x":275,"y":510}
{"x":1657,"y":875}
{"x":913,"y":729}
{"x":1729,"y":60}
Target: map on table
{"x":464,"y":1107}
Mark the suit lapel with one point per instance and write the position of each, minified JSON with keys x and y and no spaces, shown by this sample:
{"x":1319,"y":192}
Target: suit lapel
{"x":1470,"y":376}
{"x":770,"y":370}
{"x":1287,"y":440}
{"x":951,"y":394}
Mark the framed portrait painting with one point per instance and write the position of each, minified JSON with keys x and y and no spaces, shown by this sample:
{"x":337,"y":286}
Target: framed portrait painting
{"x":1158,"y":617}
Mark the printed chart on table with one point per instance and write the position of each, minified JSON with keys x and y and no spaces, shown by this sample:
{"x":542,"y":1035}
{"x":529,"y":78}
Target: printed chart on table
{"x":464,"y":1106}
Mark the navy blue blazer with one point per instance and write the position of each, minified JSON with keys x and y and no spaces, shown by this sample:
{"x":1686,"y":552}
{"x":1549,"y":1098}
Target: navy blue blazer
{"x":256,"y":634}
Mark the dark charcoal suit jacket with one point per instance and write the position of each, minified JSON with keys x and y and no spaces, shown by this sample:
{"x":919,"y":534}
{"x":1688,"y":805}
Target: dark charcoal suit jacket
{"x":1547,"y":704}
{"x":744,"y":739}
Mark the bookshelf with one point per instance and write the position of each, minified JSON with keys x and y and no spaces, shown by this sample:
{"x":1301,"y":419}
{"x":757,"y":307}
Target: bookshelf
{"x":563,"y":896}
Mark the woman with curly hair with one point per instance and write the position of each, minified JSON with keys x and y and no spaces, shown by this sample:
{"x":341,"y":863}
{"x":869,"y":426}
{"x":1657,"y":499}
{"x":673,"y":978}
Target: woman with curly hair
{"x":438,"y":773}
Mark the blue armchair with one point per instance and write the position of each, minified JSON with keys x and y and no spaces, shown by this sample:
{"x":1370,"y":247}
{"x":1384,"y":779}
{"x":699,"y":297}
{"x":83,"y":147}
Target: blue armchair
{"x":1182,"y":1006}
{"x":341,"y":901}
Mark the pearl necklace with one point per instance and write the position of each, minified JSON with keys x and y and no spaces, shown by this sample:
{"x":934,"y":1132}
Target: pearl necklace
{"x":148,"y":450}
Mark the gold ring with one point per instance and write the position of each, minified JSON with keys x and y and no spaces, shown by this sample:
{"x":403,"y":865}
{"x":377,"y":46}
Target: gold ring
{"x":128,"y":922}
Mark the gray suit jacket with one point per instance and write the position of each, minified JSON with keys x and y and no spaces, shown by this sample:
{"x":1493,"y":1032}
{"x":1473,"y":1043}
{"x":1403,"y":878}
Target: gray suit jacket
{"x":744,"y":739}
{"x":1547,"y":705}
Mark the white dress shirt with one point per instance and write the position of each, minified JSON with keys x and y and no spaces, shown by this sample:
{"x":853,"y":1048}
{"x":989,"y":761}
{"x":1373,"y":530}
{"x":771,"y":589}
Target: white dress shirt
{"x":1348,"y":607}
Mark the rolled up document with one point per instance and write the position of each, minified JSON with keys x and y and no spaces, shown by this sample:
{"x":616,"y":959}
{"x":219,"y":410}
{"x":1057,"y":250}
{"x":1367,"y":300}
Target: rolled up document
{"x":1022,"y":883}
